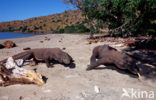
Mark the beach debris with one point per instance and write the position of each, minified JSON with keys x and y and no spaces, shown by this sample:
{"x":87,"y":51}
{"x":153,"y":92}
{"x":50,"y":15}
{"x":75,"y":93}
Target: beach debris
{"x":84,"y":94}
{"x":11,"y":74}
{"x":130,"y":41}
{"x":96,"y":89}
{"x":63,"y":48}
{"x":41,"y":41}
{"x":27,"y":48}
{"x":46,"y":38}
{"x":20,"y":98}
{"x":90,"y":41}
{"x":9,"y":44}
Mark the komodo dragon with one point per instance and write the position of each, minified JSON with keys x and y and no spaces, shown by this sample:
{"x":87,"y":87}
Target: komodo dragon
{"x":44,"y":54}
{"x":108,"y":55}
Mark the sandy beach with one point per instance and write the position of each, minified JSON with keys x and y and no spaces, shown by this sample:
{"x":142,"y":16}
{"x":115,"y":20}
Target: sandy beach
{"x":64,"y":83}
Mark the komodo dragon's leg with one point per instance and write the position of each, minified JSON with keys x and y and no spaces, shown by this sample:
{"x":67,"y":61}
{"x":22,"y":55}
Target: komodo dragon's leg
{"x":98,"y":62}
{"x":47,"y":61}
{"x":93,"y":59}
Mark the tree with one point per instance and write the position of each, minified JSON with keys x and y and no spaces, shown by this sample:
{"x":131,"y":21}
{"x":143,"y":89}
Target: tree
{"x":84,"y":6}
{"x":79,"y":28}
{"x":122,"y":17}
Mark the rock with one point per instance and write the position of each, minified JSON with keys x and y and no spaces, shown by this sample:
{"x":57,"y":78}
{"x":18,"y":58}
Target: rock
{"x":9,"y":44}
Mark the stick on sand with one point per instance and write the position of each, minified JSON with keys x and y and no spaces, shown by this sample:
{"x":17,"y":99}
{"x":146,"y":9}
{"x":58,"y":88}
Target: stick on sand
{"x":139,"y":76}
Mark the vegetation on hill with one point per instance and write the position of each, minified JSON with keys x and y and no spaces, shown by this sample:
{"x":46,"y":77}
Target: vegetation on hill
{"x":79,"y":28}
{"x":69,"y":21}
{"x":121,"y":17}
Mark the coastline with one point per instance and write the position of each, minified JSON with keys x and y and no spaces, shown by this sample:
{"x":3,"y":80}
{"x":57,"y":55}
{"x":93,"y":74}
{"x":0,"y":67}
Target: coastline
{"x":14,"y":35}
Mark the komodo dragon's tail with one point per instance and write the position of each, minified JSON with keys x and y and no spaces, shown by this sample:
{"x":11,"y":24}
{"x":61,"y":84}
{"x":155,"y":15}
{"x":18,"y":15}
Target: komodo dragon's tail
{"x":17,"y":56}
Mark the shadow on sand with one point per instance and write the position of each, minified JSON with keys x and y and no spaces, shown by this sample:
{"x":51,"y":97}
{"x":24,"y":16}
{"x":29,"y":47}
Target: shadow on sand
{"x":146,"y":71}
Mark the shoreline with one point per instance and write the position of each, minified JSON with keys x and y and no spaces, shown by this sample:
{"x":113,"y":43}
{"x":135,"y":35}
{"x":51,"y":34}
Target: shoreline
{"x":34,"y":34}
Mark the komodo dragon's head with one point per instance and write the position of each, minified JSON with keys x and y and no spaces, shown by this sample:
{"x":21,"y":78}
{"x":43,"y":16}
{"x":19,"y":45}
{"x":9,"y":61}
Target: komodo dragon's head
{"x":66,"y":58}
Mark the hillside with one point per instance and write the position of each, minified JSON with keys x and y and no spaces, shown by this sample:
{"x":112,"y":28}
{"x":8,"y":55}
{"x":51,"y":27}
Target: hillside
{"x":44,"y":24}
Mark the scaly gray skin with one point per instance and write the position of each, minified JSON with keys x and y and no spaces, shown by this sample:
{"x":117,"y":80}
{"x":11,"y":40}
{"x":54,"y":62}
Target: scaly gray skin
{"x":108,"y":55}
{"x":44,"y":54}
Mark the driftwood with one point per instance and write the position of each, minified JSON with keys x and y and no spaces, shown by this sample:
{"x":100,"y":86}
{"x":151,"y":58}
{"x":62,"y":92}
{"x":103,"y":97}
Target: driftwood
{"x":12,"y":74}
{"x":27,"y":48}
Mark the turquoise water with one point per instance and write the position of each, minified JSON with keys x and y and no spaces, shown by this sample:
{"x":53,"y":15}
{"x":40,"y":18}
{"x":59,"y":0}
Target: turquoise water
{"x":11,"y":35}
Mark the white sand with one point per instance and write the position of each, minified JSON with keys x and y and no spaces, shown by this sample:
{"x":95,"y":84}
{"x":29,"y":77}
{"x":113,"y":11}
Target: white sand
{"x":74,"y":84}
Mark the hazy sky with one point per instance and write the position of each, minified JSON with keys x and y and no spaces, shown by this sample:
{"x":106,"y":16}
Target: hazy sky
{"x":23,"y":9}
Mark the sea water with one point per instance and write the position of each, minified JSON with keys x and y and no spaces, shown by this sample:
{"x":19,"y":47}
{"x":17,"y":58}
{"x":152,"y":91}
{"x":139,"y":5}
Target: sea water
{"x":12,"y":35}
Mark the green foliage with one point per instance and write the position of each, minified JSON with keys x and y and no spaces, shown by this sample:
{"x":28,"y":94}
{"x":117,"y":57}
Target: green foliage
{"x":122,"y":17}
{"x":60,"y":31}
{"x":80,"y":28}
